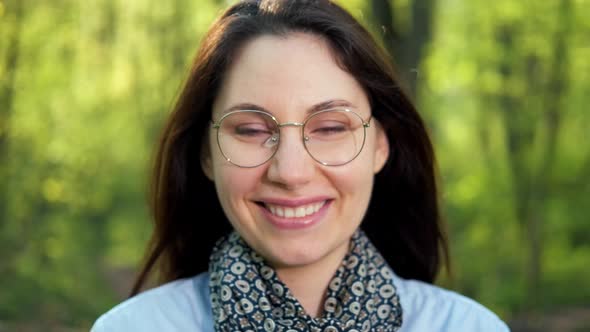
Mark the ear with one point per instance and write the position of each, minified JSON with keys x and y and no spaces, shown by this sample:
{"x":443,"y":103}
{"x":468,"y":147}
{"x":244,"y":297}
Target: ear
{"x":381,"y":148}
{"x":206,"y":162}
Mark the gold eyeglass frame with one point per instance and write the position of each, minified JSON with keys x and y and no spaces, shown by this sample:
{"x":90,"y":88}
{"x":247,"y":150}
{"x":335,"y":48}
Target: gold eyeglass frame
{"x":366,"y":124}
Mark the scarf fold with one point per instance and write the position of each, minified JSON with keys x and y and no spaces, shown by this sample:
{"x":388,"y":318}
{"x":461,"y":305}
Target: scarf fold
{"x":247,"y":295}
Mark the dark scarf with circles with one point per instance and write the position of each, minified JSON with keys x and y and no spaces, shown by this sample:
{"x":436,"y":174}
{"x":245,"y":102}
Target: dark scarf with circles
{"x":247,"y":295}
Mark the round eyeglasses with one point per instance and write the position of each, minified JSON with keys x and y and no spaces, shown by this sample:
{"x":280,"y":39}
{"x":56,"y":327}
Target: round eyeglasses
{"x":250,"y":138}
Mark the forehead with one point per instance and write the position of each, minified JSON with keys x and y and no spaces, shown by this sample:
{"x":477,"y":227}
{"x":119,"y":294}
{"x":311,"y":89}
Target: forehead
{"x":282,"y":73}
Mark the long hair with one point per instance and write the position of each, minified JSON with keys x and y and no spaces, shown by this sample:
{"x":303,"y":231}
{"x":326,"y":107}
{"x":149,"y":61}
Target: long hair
{"x":403,"y":218}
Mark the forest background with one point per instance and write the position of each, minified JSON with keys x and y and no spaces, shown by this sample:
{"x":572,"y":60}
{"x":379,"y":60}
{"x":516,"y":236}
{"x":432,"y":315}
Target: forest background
{"x":86,"y":85}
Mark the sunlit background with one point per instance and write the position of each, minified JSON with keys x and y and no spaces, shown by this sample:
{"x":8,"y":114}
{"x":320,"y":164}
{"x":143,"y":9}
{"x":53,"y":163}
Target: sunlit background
{"x":85,"y":86}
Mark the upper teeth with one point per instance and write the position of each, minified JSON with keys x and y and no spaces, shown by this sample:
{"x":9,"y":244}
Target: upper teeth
{"x":295,"y":212}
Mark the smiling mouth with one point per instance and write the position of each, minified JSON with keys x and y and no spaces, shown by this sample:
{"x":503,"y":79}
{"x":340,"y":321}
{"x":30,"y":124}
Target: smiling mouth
{"x":294,"y":211}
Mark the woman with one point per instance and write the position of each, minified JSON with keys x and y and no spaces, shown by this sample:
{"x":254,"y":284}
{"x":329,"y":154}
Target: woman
{"x":317,"y":178}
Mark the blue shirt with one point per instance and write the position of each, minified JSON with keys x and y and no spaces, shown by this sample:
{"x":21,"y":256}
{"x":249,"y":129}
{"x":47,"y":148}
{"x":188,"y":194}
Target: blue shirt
{"x":183,"y":305}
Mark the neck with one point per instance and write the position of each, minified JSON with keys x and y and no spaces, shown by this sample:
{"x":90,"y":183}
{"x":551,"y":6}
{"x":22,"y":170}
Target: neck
{"x":309,"y":283}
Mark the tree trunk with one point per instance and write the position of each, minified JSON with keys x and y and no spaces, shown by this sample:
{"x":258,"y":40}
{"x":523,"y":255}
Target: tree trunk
{"x":406,"y":48}
{"x":392,"y":40}
{"x":7,"y":94}
{"x":519,"y":135}
{"x":554,"y":95}
{"x":419,"y":37}
{"x":532,"y":182}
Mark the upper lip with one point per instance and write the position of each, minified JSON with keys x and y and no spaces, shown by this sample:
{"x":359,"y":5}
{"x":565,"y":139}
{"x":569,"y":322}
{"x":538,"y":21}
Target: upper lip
{"x":293,"y":202}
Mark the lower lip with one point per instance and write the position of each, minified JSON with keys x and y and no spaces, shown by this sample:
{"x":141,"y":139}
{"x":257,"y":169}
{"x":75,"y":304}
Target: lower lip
{"x":296,"y":223}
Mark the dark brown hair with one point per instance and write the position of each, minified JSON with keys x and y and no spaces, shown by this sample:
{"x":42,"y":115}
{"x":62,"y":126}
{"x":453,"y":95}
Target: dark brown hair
{"x":403,"y":218}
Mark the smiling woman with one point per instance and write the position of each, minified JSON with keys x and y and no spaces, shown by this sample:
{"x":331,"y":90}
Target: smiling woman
{"x":289,"y":75}
{"x":318,"y":175}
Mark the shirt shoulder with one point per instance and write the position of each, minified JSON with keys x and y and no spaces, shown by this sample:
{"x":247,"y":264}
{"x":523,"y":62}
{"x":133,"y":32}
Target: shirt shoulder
{"x":428,"y":307}
{"x":181,"y":305}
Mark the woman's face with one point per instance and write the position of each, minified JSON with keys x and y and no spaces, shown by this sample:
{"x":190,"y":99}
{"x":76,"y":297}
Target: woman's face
{"x":288,"y":77}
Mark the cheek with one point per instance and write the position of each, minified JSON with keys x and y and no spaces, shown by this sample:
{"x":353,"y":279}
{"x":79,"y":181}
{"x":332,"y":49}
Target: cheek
{"x":355,"y":179}
{"x":234,"y":187}
{"x":229,"y":180}
{"x":235,"y":184}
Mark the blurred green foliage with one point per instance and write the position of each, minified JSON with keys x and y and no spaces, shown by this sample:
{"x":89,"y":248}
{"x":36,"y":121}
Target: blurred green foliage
{"x":86,"y":85}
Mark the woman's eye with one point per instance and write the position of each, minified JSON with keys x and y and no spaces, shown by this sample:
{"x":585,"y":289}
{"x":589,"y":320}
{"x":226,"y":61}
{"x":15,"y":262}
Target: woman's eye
{"x":329,"y":129}
{"x":250,"y":130}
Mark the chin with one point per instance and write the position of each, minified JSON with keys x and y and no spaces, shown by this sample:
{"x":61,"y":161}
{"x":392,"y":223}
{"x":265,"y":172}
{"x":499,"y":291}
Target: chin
{"x":287,"y":256}
{"x":298,"y":255}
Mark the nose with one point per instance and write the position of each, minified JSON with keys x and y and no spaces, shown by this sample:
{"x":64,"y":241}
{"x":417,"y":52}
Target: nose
{"x":291,"y":166}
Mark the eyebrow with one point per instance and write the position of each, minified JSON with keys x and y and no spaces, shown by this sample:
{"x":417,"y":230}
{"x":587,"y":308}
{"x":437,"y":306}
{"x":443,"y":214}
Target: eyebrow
{"x":315,"y":108}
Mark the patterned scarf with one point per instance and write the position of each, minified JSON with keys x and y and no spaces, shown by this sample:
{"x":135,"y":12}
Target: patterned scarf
{"x":247,"y":295}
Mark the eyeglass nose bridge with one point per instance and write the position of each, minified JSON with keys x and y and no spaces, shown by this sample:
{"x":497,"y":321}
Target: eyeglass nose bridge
{"x":291,"y":124}
{"x":295,"y":124}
